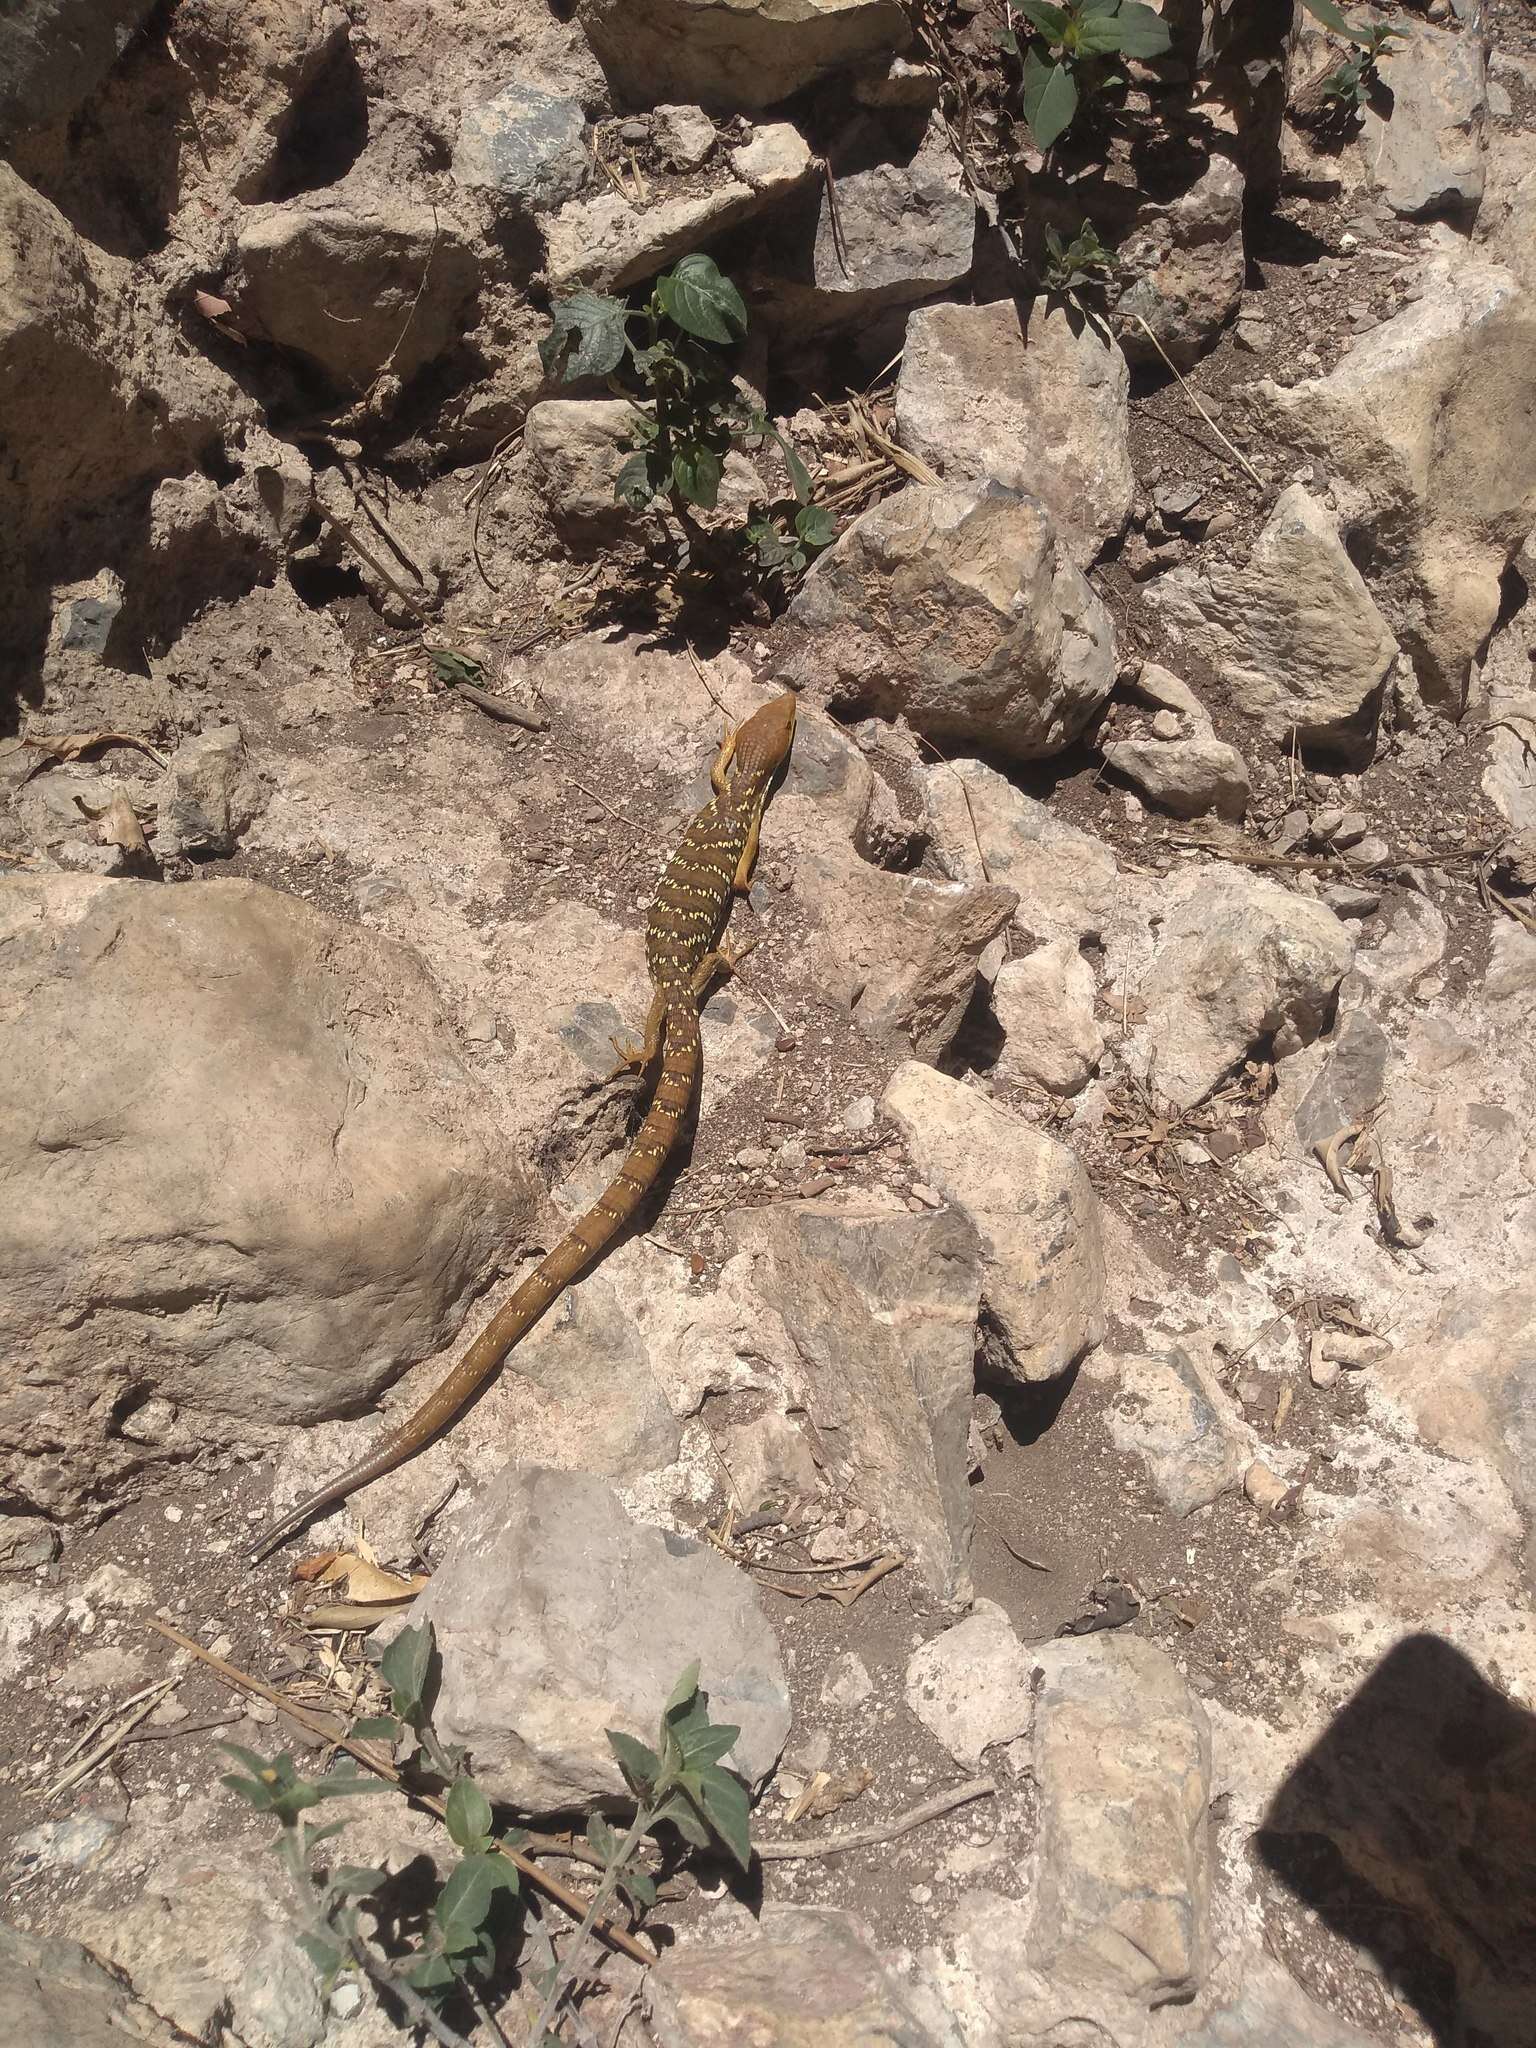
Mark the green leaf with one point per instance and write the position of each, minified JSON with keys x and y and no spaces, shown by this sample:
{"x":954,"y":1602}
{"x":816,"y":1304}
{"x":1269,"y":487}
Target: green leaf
{"x":705,"y":304}
{"x":1087,"y":7}
{"x":1050,"y":100}
{"x":431,"y":1972}
{"x":682,"y":1693}
{"x":1330,"y":16}
{"x":1096,"y":37}
{"x":1140,"y":32}
{"x":587,"y":337}
{"x":383,"y":1727}
{"x":449,"y":666}
{"x":355,"y":1879}
{"x":602,"y":1838}
{"x":639,"y":1763}
{"x":640,"y":1887}
{"x":255,"y":1764}
{"x":633,"y":484}
{"x":327,"y":1956}
{"x":727,"y":1809}
{"x":1007,"y":40}
{"x":816,"y":526}
{"x":799,"y":475}
{"x":696,"y":472}
{"x":467,"y":1813}
{"x":684,"y":1815}
{"x":465,"y":1901}
{"x":404,"y":1668}
{"x":708,"y":1744}
{"x":260,"y":1796}
{"x":1052,"y":22}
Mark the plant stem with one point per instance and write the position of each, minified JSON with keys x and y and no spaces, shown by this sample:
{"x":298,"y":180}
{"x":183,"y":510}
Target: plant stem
{"x":1188,"y":390}
{"x":566,"y":1974}
{"x":408,"y":1995}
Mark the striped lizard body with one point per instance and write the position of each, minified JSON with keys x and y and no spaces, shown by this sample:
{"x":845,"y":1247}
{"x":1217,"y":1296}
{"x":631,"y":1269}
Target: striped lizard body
{"x":683,"y":956}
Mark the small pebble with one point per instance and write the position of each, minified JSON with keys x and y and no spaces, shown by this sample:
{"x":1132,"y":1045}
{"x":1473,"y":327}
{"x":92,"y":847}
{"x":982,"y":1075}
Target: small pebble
{"x":860,"y":1114}
{"x":1264,"y":1488}
{"x":752,"y":1158}
{"x":929,"y":1197}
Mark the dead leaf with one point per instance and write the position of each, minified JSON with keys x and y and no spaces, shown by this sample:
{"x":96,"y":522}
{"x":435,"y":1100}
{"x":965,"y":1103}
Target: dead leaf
{"x":1033,"y":1562}
{"x":1116,"y":1603}
{"x":117,"y":824}
{"x":55,"y":747}
{"x":825,"y":1794}
{"x":365,"y":1582}
{"x":218,"y":313}
{"x":1328,"y":1152}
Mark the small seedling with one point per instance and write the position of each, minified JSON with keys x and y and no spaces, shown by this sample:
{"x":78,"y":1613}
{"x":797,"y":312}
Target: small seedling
{"x":689,"y":411}
{"x":1076,"y":39}
{"x":1084,"y":261}
{"x":1347,"y":86}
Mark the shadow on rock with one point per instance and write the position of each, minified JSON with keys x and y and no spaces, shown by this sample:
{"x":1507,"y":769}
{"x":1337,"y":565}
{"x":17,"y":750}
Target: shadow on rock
{"x":1410,"y":1830}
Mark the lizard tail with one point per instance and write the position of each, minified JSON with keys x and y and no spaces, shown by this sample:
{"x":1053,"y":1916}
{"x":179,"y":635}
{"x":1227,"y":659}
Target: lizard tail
{"x":681,"y":1060}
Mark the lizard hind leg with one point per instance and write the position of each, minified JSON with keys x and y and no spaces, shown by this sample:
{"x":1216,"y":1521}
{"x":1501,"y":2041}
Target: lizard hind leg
{"x":634,"y":1059}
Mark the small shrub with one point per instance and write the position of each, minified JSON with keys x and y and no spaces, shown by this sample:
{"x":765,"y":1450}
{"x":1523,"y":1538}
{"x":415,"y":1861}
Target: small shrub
{"x":1076,"y":38}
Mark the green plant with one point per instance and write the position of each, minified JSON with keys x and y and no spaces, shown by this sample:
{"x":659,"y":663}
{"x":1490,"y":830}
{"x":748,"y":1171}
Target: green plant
{"x":1347,"y":85}
{"x":1077,"y":37}
{"x":1069,"y":266}
{"x":689,"y":411}
{"x":680,"y":1783}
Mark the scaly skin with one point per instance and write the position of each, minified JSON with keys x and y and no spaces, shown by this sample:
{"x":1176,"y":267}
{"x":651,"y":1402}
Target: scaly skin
{"x":715,"y":859}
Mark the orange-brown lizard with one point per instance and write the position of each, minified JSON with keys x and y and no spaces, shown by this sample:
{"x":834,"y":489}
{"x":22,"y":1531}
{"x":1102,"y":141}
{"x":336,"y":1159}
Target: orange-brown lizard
{"x":683,"y":955}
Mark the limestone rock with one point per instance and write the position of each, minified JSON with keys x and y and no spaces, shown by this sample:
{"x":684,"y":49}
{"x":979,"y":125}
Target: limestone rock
{"x":1186,"y":770}
{"x":809,"y":1975}
{"x":1293,"y":632}
{"x":212,"y":794}
{"x":1121,"y":1877}
{"x":54,"y":53}
{"x":1044,"y":1006}
{"x":55,"y":1994}
{"x":1471,"y":1382}
{"x":1172,"y":1415}
{"x":1032,"y":1206}
{"x":525,"y":148}
{"x":1185,"y":265}
{"x":955,"y":607}
{"x":919,"y":962}
{"x":1241,"y":960}
{"x":604,"y":242}
{"x":1422,"y":139}
{"x":558,"y":1617}
{"x":1067,"y":881}
{"x":902,"y":231}
{"x":337,"y":276}
{"x":1413,"y":426}
{"x":881,"y":1307}
{"x":1032,"y":398}
{"x":734,"y":55}
{"x":248,"y":1171}
{"x":576,"y":448}
{"x":1269,"y":2009}
{"x":970,"y":1687}
{"x":1351,"y":1083}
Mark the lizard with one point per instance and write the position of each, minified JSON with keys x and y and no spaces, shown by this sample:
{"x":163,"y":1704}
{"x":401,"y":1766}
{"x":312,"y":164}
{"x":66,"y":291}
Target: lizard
{"x":684,"y":952}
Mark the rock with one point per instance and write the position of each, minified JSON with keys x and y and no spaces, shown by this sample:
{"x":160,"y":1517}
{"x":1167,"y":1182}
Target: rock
{"x":1188,"y":774}
{"x":525,"y":149}
{"x":1184,"y":262}
{"x":605,"y":243}
{"x":54,"y":53}
{"x":734,"y":55}
{"x":902,"y":232}
{"x":683,"y":136}
{"x":211,"y":794}
{"x":558,"y":1617}
{"x":847,"y":1684}
{"x":1120,"y":1883}
{"x":881,"y":1307}
{"x":1421,"y":140}
{"x":1351,"y":1083}
{"x":1033,"y":1209}
{"x":1470,"y":1382}
{"x":1263,"y":1486}
{"x":55,"y":1994}
{"x":1032,"y":398}
{"x":249,"y":1172}
{"x":1506,"y":780}
{"x":85,"y":614}
{"x":576,"y":448}
{"x":913,"y":993}
{"x":1413,"y":943}
{"x":27,"y":1541}
{"x":769,"y":1460}
{"x":970,"y":1687}
{"x":1270,"y":2010}
{"x":1174,"y":1416}
{"x":338,"y":277}
{"x":809,"y":1975}
{"x":953,"y":606}
{"x":1412,"y":425}
{"x":1293,"y":632}
{"x":1241,"y":960}
{"x":1067,"y":880}
{"x":1044,"y":1005}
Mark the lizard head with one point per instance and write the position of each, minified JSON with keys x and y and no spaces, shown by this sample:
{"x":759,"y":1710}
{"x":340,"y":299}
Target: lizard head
{"x":762,"y":745}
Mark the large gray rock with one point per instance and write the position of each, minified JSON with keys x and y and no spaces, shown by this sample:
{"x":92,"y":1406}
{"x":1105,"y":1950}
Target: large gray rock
{"x":54,"y":53}
{"x":1179,"y":1422}
{"x":1241,"y":960}
{"x":211,"y":793}
{"x":1183,"y":265}
{"x":1030,"y":397}
{"x":810,"y":1977}
{"x":1412,"y":425}
{"x":955,"y":606}
{"x":525,"y":148}
{"x":247,"y":1170}
{"x":1044,"y":1006}
{"x":734,"y":54}
{"x":1121,"y":1863}
{"x":971,"y":1686}
{"x":557,"y":1617}
{"x":359,"y":279}
{"x":1033,"y":1207}
{"x":55,"y":1994}
{"x":881,"y":1307}
{"x":1068,"y":882}
{"x":1293,"y":632}
{"x":1176,"y":759}
{"x":1421,"y":140}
